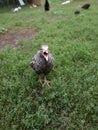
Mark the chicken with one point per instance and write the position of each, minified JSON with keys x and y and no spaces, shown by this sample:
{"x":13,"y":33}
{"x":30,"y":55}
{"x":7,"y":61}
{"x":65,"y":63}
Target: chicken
{"x":47,"y":6}
{"x":86,"y":6}
{"x":77,"y":12}
{"x":42,"y":63}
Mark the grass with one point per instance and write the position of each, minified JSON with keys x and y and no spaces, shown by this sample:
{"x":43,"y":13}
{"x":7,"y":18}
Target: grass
{"x":71,"y":101}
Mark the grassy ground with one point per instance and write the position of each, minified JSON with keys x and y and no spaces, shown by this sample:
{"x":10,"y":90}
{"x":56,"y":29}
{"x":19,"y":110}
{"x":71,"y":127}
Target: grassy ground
{"x":71,"y":101}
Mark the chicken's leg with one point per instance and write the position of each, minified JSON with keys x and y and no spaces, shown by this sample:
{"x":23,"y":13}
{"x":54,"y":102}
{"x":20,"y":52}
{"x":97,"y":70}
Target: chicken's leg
{"x":39,"y":79}
{"x":46,"y":81}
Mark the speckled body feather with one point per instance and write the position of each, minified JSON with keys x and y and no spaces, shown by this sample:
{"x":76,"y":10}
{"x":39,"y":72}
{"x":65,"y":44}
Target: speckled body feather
{"x":40,"y":65}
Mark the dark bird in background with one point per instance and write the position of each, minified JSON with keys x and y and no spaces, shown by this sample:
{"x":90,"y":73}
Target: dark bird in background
{"x":77,"y":12}
{"x":42,"y":63}
{"x":47,"y":6}
{"x":86,"y":6}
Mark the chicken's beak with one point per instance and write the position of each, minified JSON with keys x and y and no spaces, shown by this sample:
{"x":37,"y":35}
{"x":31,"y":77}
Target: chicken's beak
{"x":46,"y":57}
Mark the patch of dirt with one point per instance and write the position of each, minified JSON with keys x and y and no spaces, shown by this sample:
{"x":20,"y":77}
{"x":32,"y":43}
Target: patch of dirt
{"x":12,"y":37}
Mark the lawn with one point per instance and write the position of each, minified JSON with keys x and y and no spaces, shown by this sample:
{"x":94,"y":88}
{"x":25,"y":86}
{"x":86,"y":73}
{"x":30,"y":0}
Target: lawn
{"x":71,"y":102}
